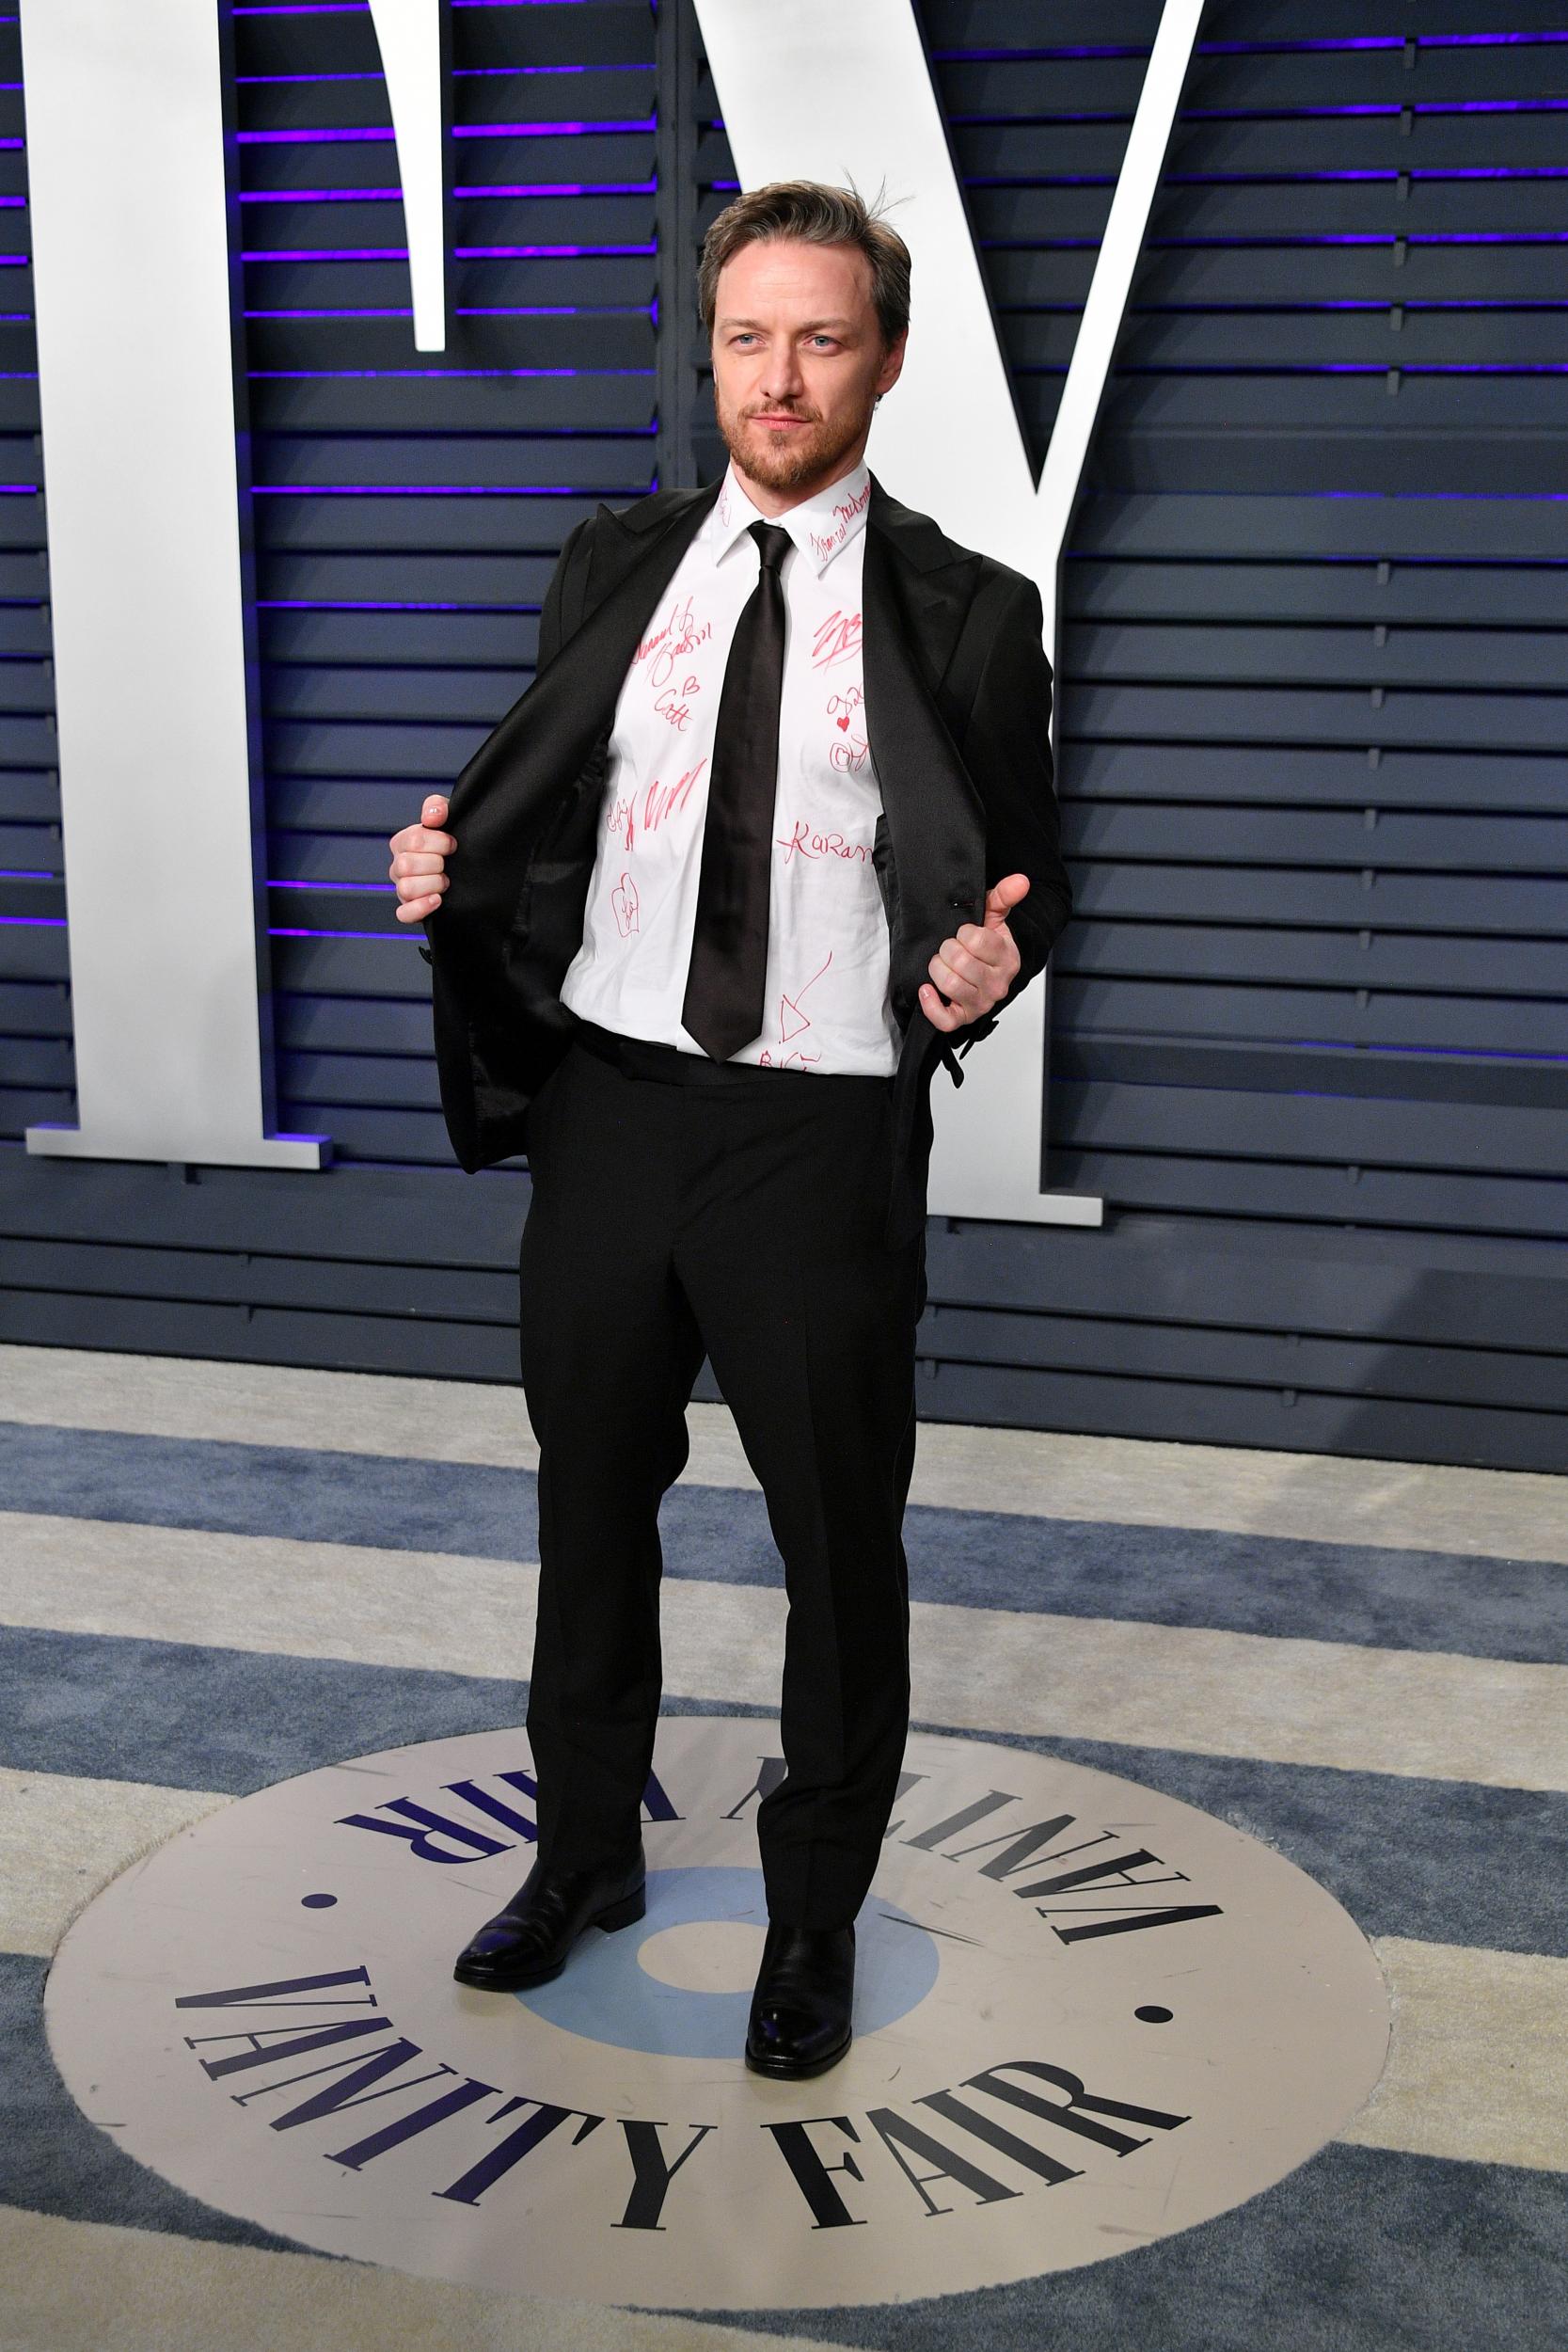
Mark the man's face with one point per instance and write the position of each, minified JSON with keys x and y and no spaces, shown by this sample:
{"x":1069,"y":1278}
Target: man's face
{"x":798,"y":359}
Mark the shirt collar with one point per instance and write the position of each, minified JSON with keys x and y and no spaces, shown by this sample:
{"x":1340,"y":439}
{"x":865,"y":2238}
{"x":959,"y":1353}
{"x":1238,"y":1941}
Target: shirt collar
{"x":820,"y":527}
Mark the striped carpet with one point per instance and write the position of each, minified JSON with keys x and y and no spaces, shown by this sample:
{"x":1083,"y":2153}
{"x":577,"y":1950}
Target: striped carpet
{"x":214,"y":1576}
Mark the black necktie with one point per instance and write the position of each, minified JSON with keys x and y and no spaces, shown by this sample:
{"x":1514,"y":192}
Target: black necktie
{"x":723,"y":1004}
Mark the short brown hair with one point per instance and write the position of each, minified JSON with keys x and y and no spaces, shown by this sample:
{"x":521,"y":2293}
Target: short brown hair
{"x":818,"y":214}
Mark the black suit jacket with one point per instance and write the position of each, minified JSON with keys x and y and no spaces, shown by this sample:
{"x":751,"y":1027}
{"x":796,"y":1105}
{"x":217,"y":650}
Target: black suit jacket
{"x":958,"y":701}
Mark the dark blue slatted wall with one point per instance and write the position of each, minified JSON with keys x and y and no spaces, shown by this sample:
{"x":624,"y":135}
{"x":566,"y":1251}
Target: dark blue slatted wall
{"x":1311,"y":1023}
{"x":409,"y":506}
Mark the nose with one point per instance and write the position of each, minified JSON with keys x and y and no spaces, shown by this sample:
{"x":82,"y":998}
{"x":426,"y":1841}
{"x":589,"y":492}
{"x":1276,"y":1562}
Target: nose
{"x":782,"y":379}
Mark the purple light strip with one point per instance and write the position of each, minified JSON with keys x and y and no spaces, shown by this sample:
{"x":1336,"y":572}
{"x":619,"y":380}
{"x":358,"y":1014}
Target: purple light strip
{"x":1319,"y":114}
{"x":394,"y":196}
{"x":378,"y":604}
{"x":1033,"y":55}
{"x":460,"y":253}
{"x":551,"y":130}
{"x":33,"y":922}
{"x":562,"y":187}
{"x":457,"y":489}
{"x":364,"y":890}
{"x":321,"y":195}
{"x":461,"y":375}
{"x":494,"y":310}
{"x":329,"y":253}
{"x":280,"y":930}
{"x":1293,"y":245}
{"x":543,"y":252}
{"x":459,"y":74}
{"x":376,"y":136}
{"x":392,"y":313}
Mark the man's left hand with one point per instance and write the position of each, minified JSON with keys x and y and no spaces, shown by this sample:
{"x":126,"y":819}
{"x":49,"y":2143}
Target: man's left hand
{"x":976,"y":968}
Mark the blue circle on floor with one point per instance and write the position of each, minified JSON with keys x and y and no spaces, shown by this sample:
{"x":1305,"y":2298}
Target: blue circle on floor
{"x":606,"y":1995}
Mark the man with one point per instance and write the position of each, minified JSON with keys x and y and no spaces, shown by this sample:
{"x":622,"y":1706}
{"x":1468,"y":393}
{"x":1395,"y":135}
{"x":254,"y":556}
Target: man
{"x":722,"y":900}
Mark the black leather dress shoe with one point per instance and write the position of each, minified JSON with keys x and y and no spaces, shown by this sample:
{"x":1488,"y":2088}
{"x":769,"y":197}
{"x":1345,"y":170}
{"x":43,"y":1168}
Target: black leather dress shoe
{"x":800,"y":2022}
{"x":529,"y":1942}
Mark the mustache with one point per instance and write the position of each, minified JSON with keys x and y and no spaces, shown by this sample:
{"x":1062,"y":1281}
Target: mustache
{"x":807,"y":416}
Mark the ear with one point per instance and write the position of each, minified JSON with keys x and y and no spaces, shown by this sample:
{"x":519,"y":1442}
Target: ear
{"x":893,"y":364}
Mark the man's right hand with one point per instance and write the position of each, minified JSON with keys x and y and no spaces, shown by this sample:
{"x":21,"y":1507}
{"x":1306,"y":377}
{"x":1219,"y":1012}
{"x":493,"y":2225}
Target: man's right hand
{"x":419,"y":862}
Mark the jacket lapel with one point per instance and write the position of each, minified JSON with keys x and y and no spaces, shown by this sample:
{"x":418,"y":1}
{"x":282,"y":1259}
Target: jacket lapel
{"x":915,"y":592}
{"x":514,"y":782}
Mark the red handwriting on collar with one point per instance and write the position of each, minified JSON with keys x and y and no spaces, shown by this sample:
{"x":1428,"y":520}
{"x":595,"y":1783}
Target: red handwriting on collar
{"x":837,"y":638}
{"x":826,"y":542}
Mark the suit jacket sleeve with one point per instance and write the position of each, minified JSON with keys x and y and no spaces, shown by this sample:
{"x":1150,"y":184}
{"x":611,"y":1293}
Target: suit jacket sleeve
{"x":1006,"y":749}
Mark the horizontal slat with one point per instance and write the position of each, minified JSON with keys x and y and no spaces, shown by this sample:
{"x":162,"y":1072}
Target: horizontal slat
{"x":1248,"y":528}
{"x":620,"y":401}
{"x":1462,"y":595}
{"x":342,"y":40}
{"x":1289,"y":1419}
{"x":1273,"y":1187}
{"x":359,"y":525}
{"x":1249,"y":837}
{"x":518,"y":461}
{"x":1381,"y":902}
{"x":1105,"y":1115}
{"x":498,"y":639}
{"x":439,"y":576}
{"x":1446,"y":1290}
{"x":1090,"y":1007}
{"x":1365,"y":1368}
{"x":1485,"y":659}
{"x":303,"y":694}
{"x":1317,"y":1069}
{"x":1311,"y":778}
{"x":1402,"y":717}
{"x":1287,"y":212}
{"x":1314,"y":78}
{"x":361,"y":750}
{"x":330,"y":1082}
{"x":1371,"y":958}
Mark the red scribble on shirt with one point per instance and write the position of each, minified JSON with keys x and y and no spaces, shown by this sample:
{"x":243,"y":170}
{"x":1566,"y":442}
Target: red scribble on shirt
{"x":666,"y":800}
{"x":803,"y":841}
{"x":625,"y":900}
{"x":837,"y":638}
{"x":678,"y":635}
{"x":675,"y":703}
{"x":846,"y":513}
{"x":794,"y":1021}
{"x":848,"y":750}
{"x":620,"y":820}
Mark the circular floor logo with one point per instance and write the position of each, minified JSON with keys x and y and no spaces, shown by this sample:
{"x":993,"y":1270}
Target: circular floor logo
{"x":1086,"y":2016}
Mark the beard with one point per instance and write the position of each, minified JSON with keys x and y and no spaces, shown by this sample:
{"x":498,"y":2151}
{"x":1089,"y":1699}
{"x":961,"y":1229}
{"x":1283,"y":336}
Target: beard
{"x":789,"y":460}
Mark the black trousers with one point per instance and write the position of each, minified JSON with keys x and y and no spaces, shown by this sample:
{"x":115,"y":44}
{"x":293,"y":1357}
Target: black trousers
{"x":682,"y":1206}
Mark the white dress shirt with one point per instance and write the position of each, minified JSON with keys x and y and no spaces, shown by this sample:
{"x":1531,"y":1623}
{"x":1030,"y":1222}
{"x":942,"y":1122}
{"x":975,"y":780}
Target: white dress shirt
{"x":826,"y":1002}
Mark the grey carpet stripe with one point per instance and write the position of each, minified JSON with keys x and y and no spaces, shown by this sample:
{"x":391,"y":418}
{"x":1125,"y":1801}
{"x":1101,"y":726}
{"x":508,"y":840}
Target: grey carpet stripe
{"x":1367,"y":1594}
{"x":1357,"y":2251}
{"x":1446,"y":1862}
{"x":1378,"y":2249}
